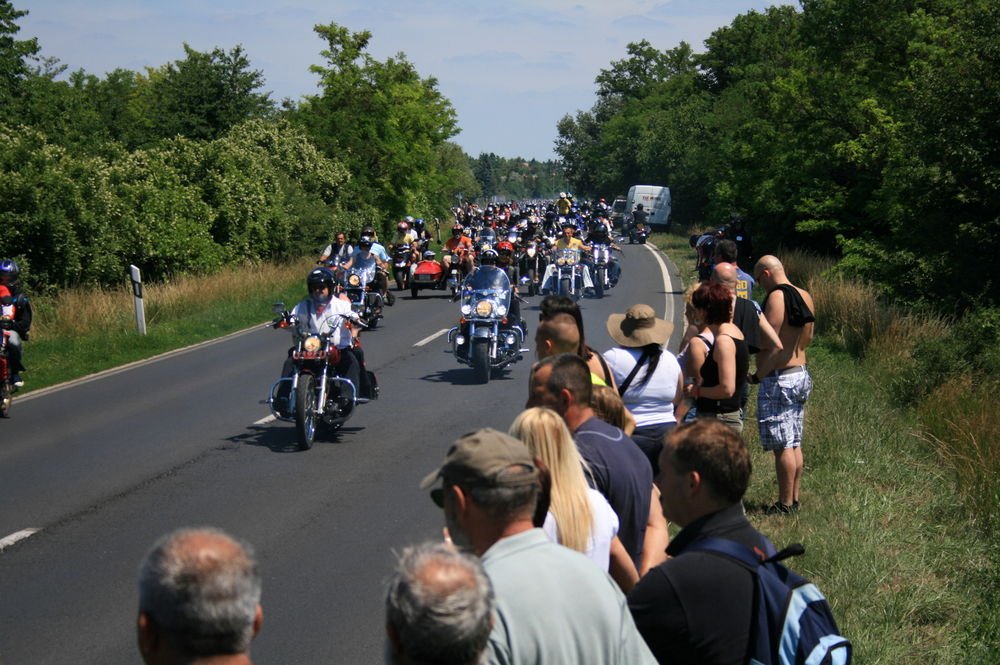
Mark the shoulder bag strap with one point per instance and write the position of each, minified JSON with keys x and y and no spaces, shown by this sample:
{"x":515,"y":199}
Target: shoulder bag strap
{"x":635,"y":370}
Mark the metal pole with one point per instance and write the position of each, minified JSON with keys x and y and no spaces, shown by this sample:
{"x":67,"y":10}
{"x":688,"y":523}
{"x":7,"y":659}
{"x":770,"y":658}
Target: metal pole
{"x":140,"y":310}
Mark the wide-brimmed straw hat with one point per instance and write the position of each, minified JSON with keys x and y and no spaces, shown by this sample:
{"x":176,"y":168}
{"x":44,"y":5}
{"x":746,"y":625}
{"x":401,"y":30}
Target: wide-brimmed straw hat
{"x":639,"y":327}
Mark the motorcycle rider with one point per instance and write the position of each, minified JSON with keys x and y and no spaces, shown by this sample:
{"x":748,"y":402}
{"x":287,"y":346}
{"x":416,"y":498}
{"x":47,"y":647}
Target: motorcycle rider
{"x":337,"y":252}
{"x":639,"y":216}
{"x":422,"y":233}
{"x":460,"y":244}
{"x":600,"y":234}
{"x":366,"y":260}
{"x":568,"y":241}
{"x":322,"y":313}
{"x":405,"y":235}
{"x":563,"y":204}
{"x":488,"y":261}
{"x":15,"y":321}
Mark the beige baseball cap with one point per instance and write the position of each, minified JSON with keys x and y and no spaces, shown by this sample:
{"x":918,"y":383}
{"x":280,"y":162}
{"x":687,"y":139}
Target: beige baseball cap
{"x":486,"y":457}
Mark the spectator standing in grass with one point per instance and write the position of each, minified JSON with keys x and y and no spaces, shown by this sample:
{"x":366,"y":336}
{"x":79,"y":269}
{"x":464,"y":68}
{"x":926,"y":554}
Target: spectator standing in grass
{"x":785,"y":383}
{"x":199,"y":600}
{"x":439,"y":608}
{"x":697,"y":607}
{"x":725,"y":360}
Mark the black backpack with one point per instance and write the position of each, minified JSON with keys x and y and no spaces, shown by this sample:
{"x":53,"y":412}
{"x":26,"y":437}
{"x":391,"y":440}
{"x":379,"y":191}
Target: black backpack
{"x":792,"y":622}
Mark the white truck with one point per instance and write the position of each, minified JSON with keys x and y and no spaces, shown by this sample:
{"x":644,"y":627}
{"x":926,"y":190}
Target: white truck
{"x":655,"y":201}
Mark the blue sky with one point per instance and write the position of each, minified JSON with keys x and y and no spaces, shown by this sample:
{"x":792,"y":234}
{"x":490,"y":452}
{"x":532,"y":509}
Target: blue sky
{"x":512,"y":69}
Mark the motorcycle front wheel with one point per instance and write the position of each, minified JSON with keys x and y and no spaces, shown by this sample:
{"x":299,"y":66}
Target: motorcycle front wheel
{"x":305,"y":411}
{"x":599,"y":282}
{"x":401,"y":279}
{"x":481,"y":361}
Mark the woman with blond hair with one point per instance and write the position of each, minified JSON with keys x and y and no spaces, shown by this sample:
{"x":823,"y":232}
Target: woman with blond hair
{"x":579,"y":517}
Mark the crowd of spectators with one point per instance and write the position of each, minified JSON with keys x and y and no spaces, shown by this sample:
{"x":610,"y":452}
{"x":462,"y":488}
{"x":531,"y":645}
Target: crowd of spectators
{"x":557,"y":545}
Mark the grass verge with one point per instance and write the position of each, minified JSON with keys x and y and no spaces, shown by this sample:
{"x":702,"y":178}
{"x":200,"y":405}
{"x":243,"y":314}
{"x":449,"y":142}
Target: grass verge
{"x":899,"y":504}
{"x":80,"y":332}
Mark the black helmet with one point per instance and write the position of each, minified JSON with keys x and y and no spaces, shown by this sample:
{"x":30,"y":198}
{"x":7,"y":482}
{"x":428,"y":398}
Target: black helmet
{"x":320,"y":277}
{"x":365,"y":241}
{"x":639,"y":207}
{"x":488,"y":257}
{"x":368,"y":230}
{"x":9,"y":271}
{"x":456,"y":231}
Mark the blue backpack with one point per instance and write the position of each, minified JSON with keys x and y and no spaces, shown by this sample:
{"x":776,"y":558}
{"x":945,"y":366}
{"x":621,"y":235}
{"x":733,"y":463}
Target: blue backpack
{"x":792,"y":622}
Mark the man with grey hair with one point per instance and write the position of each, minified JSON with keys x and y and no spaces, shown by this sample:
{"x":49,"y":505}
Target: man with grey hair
{"x":439,"y":607}
{"x":199,"y":600}
{"x":553,"y":605}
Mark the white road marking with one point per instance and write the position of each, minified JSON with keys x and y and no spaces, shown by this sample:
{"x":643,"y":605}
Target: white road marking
{"x":431,"y":338}
{"x":668,"y":286}
{"x":132,"y":365}
{"x":264,"y":421}
{"x":16,"y":537}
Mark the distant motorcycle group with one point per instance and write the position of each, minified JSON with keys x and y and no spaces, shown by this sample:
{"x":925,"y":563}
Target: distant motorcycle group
{"x":491,"y":255}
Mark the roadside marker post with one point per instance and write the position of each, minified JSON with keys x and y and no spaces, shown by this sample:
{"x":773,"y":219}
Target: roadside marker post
{"x":140,"y":309}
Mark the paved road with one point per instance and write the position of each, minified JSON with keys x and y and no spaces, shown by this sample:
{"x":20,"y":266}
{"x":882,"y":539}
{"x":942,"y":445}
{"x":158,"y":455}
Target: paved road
{"x":105,"y":467}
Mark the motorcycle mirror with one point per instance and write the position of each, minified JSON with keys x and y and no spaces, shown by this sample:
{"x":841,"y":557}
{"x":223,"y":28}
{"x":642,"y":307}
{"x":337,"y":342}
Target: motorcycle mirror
{"x":278,"y":307}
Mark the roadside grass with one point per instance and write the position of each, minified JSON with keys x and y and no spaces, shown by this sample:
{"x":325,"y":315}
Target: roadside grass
{"x":900,"y":505}
{"x":82,"y":331}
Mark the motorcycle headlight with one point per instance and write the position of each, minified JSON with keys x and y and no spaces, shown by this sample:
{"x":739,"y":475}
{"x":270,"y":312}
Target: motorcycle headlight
{"x":501,"y":310}
{"x":484,"y":308}
{"x":311,"y":343}
{"x":466,"y":309}
{"x":354,"y":280}
{"x":561,"y":261}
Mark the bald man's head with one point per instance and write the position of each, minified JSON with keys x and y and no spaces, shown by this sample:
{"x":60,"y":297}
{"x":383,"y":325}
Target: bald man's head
{"x":769,"y":270}
{"x":557,"y":335}
{"x":725,"y":274}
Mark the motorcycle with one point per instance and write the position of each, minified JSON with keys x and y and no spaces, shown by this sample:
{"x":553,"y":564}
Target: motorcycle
{"x":317,"y":396}
{"x":568,"y":273}
{"x":7,"y":388}
{"x":482,"y":340}
{"x":401,"y":260}
{"x":426,"y":274}
{"x":638,"y":233}
{"x":454,"y":281}
{"x":602,"y":268}
{"x":365,"y":299}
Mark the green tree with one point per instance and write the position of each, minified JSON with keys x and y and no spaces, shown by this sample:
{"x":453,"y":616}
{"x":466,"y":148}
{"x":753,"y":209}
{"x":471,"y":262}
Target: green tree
{"x":15,"y":55}
{"x":205,"y":94}
{"x":382,"y":118}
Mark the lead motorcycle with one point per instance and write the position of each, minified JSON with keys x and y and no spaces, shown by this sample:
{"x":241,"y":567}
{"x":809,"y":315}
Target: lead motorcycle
{"x":314,"y":396}
{"x":484,"y":338}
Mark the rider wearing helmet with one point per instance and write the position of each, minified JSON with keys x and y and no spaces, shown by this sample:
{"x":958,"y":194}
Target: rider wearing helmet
{"x":322,"y":313}
{"x":365,"y":259}
{"x":601,"y":234}
{"x":505,"y":256}
{"x":488,"y":260}
{"x":459,"y":244}
{"x":15,"y":316}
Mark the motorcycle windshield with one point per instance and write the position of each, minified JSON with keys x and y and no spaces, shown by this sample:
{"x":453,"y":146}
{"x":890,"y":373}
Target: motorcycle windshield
{"x":488,"y":282}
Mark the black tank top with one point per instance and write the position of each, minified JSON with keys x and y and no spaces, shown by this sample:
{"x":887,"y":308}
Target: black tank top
{"x":710,"y":378}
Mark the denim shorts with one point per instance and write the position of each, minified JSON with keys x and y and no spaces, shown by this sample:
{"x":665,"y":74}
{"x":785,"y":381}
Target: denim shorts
{"x":781,"y":406}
